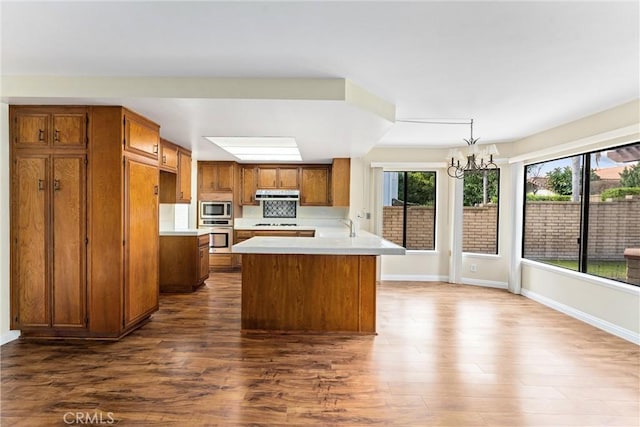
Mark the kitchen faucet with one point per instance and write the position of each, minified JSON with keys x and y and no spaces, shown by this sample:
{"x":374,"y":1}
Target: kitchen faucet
{"x":352,"y":228}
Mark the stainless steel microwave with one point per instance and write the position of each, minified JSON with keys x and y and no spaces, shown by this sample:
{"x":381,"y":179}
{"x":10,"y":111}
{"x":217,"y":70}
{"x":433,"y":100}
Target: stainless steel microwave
{"x":215,"y":210}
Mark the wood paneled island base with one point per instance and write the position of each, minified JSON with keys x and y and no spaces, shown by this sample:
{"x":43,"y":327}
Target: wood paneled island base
{"x":309,"y":293}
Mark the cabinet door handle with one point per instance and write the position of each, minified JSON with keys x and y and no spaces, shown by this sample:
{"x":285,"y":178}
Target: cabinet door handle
{"x":40,"y":135}
{"x":164,"y":159}
{"x":56,"y":185}
{"x":56,"y":135}
{"x":182,"y":194}
{"x":41,"y":184}
{"x":155,"y":149}
{"x":155,"y":190}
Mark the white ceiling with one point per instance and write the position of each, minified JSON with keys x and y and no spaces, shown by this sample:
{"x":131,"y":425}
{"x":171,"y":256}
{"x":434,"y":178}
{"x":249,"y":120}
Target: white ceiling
{"x":517,"y":68}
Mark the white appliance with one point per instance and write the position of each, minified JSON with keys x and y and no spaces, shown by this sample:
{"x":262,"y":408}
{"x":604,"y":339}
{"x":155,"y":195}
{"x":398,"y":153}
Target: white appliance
{"x":215,"y":210}
{"x":277,"y":194}
{"x":220,"y":240}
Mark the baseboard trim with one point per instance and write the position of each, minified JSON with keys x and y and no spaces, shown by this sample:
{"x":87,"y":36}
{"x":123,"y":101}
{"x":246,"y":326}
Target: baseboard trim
{"x":433,"y":278}
{"x":597,"y":322}
{"x":9,"y":336}
{"x":413,"y":278}
{"x":484,"y":283}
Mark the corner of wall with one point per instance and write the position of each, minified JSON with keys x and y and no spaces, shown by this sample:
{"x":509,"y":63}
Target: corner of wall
{"x":5,"y":308}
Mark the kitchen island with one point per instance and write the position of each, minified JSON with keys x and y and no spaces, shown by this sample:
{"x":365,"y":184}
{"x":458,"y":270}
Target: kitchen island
{"x":317,"y":284}
{"x":184,"y":259}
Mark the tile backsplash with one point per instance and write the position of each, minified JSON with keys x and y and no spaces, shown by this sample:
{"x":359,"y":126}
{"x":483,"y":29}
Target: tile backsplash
{"x":302,"y":212}
{"x":279,"y":209}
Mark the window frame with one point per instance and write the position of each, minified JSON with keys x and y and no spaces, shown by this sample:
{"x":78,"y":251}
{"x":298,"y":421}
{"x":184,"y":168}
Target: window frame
{"x":583,"y":236}
{"x":405,"y":173}
{"x":499,"y":191}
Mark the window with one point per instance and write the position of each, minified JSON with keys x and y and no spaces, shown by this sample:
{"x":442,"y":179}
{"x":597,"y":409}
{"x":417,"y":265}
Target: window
{"x":409,"y":215}
{"x":585,"y":221}
{"x":480,"y":216}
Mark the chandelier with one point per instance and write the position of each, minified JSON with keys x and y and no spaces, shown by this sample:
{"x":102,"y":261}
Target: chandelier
{"x":475,"y":159}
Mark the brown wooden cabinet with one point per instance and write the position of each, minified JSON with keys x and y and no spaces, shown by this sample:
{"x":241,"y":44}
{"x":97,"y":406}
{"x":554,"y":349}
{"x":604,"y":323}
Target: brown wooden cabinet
{"x":84,"y":223}
{"x":340,"y":182}
{"x":203,"y":258}
{"x":141,"y":136}
{"x":183,"y":191}
{"x":44,"y":126}
{"x":249,"y":184}
{"x":278,"y":177}
{"x":184,"y":262}
{"x":168,"y":156}
{"x":141,"y":240}
{"x":314,"y":189}
{"x":242,"y":235}
{"x":175,"y":186}
{"x":214,"y":177}
{"x":288,"y":178}
{"x":124,"y":265}
{"x":221,"y":261}
{"x":49,"y":254}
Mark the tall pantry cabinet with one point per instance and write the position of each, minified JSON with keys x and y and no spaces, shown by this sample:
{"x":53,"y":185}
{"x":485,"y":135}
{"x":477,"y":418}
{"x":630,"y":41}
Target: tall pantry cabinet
{"x":84,"y":205}
{"x":48,"y":218}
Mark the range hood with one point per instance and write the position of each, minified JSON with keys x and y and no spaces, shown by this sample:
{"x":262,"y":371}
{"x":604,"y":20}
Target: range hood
{"x":277,"y":194}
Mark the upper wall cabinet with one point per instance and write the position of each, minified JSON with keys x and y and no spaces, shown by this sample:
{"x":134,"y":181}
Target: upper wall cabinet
{"x":273,"y":177}
{"x":183,"y":193}
{"x":175,"y":173}
{"x":215,"y":177}
{"x":314,"y":190}
{"x":141,"y":136}
{"x":62,"y":127}
{"x":168,"y":156}
{"x":340,"y":182}
{"x":249,"y":185}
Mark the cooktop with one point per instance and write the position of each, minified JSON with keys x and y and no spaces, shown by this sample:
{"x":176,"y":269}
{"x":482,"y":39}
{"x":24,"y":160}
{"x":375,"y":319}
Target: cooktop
{"x":268,"y":224}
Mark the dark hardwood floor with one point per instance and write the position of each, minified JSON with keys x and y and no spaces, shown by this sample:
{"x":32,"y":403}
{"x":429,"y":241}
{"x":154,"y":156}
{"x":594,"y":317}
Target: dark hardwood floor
{"x":444,"y":355}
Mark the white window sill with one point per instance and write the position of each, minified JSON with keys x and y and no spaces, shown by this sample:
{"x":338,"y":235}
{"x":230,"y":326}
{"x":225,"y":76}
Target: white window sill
{"x":619,"y":286}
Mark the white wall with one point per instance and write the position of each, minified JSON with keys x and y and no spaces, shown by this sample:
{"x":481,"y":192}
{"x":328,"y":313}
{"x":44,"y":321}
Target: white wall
{"x":606,"y":304}
{"x":5,"y":333}
{"x":492,"y":270}
{"x":609,"y":305}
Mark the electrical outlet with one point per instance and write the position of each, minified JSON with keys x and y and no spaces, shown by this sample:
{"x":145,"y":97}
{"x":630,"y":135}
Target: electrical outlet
{"x":474,"y":268}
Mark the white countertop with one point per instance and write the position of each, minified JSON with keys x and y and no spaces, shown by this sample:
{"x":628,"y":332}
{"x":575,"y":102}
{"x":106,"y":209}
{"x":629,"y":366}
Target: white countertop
{"x":328,"y":241}
{"x":185,"y":232}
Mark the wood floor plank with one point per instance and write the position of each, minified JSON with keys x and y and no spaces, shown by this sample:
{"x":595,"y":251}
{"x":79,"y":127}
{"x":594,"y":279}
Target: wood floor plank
{"x":445,"y":355}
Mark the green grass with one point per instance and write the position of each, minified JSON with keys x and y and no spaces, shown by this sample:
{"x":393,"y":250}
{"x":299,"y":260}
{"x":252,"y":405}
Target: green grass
{"x":611,"y":269}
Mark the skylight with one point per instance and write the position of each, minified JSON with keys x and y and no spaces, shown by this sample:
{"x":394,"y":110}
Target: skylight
{"x":261,"y":148}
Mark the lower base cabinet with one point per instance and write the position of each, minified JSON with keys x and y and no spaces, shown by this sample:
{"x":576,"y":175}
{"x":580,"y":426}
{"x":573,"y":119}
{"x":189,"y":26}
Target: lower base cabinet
{"x":222,"y":262}
{"x":184,"y":262}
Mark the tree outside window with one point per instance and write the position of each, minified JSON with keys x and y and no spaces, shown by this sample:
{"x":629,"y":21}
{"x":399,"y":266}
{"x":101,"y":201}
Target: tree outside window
{"x":409,"y":209}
